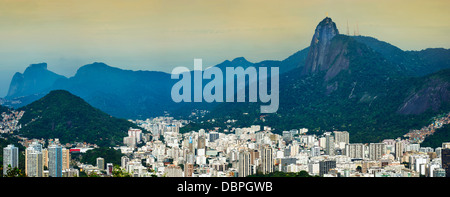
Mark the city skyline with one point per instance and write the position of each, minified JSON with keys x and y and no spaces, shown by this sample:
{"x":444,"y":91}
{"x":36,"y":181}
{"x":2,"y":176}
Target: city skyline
{"x":159,"y":146}
{"x":160,"y":35}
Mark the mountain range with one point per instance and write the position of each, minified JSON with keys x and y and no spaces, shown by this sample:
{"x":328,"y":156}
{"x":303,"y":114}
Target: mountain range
{"x":121,"y":93}
{"x":357,"y":83}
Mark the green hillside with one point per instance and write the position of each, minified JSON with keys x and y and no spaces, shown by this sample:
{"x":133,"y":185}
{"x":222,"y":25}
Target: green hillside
{"x":63,"y":115}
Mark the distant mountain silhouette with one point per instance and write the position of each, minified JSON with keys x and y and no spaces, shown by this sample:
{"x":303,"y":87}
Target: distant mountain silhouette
{"x":35,"y":80}
{"x":126,"y":93}
{"x":411,"y":63}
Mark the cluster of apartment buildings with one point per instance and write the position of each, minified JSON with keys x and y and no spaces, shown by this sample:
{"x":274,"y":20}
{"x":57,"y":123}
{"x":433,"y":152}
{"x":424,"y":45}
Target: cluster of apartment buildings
{"x":157,"y":148}
{"x":53,"y":161}
{"x":246,"y":151}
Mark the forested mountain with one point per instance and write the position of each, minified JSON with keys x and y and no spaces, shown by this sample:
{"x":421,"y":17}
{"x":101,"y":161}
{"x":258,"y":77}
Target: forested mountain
{"x":63,"y":115}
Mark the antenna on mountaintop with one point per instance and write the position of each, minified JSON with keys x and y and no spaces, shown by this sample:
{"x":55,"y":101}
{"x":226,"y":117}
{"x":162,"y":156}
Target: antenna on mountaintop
{"x":357,"y":29}
{"x":348,"y":30}
{"x":326,"y":14}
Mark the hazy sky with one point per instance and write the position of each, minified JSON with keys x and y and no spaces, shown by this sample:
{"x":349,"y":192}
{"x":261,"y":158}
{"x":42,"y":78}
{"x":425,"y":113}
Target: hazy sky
{"x":162,"y":34}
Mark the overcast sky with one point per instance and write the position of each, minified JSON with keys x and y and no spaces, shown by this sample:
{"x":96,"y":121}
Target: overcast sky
{"x":163,"y":34}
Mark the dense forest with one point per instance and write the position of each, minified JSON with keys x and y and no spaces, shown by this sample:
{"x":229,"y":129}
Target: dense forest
{"x":109,"y":154}
{"x":63,"y":115}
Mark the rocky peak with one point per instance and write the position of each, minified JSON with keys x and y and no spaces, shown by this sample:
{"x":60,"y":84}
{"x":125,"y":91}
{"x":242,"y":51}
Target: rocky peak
{"x":35,"y":79}
{"x":320,"y":43}
{"x":36,"y":67}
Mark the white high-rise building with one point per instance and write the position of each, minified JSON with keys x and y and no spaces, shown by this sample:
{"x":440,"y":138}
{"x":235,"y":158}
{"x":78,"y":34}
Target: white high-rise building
{"x":313,"y":167}
{"x":134,"y":137}
{"x":123,"y":161}
{"x":412,"y":147}
{"x":315,"y":151}
{"x":376,"y":150}
{"x":55,"y":160}
{"x":432,"y":166}
{"x":355,"y":150}
{"x":10,"y":158}
{"x":418,"y":163}
{"x":329,"y":147}
{"x":100,"y":163}
{"x":308,"y":140}
{"x":173,"y":171}
{"x":244,"y":164}
{"x":34,"y":163}
{"x":322,"y":142}
{"x":341,"y":136}
{"x":399,"y":149}
{"x":267,"y":160}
